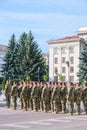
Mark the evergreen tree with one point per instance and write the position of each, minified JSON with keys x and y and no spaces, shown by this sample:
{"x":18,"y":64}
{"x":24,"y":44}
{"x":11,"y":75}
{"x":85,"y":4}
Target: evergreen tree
{"x":32,"y":59}
{"x":24,"y":59}
{"x":3,"y":83}
{"x":83,"y":65}
{"x":21,"y":56}
{"x":9,"y":66}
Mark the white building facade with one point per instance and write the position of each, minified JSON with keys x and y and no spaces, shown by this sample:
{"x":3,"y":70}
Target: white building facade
{"x":64,"y":56}
{"x":2,"y":54}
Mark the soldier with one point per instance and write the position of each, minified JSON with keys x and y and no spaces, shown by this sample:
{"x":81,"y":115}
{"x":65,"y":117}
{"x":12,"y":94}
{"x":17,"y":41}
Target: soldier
{"x":60,"y":104}
{"x":35,"y":96}
{"x":14,"y":94}
{"x":24,"y":94}
{"x":64,"y":97}
{"x":20,"y":95}
{"x":29,"y":94}
{"x":31,"y":99}
{"x":46,"y":97}
{"x":84,"y":98}
{"x":56,"y":98}
{"x":8,"y":94}
{"x":52,"y":85}
{"x":78,"y":97}
{"x":71,"y":90}
{"x":41,"y":100}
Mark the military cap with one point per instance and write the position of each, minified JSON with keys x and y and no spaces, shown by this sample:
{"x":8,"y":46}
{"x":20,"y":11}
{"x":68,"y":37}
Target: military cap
{"x":71,"y":83}
{"x":63,"y":83}
{"x":85,"y":83}
{"x":53,"y":83}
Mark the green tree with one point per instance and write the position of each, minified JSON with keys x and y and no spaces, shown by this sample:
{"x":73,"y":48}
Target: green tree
{"x":9,"y":66}
{"x":23,"y":58}
{"x":3,"y":83}
{"x":82,"y":74}
{"x":60,"y":77}
{"x":45,"y":78}
{"x":33,"y":59}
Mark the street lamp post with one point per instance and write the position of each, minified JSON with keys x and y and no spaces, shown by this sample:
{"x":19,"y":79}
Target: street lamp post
{"x":38,"y":74}
{"x":68,"y":65}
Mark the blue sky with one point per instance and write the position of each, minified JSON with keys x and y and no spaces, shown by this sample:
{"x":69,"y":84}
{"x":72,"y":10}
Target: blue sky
{"x":47,"y":19}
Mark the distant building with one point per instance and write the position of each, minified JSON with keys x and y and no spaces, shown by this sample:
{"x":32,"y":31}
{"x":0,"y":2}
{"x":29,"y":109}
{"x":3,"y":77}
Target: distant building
{"x":64,"y":56}
{"x":2,"y":54}
{"x":46,"y":58}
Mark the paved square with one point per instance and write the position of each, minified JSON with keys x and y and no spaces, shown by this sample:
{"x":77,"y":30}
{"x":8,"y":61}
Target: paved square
{"x":28,"y":120}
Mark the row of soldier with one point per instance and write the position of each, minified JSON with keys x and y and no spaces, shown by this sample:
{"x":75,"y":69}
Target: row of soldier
{"x":48,"y":97}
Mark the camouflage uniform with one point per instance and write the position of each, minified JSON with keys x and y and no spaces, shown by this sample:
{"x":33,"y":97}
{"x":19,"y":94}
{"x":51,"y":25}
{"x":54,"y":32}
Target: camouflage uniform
{"x":78,"y":97}
{"x":8,"y":93}
{"x":46,"y":98}
{"x":41,"y":100}
{"x":56,"y":98}
{"x":71,"y":90}
{"x":14,"y":94}
{"x":51,"y":101}
{"x":30,"y":93}
{"x":60,"y":103}
{"x":84,"y":98}
{"x":25,"y":96}
{"x":35,"y":96}
{"x":20,"y":95}
{"x":63,"y":93}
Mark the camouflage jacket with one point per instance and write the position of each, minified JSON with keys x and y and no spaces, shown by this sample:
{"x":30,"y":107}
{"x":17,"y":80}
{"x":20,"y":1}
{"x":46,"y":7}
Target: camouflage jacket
{"x":56,"y":93}
{"x":24,"y":92}
{"x":84,"y":93}
{"x":78,"y":94}
{"x":71,"y":93}
{"x":7,"y":89}
{"x":14,"y":91}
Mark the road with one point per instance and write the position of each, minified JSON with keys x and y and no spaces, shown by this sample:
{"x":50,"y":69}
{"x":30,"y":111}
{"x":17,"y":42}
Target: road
{"x":28,"y":120}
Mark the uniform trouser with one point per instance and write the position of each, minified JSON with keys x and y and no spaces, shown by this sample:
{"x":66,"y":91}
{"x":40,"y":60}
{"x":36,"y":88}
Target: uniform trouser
{"x":85,"y":105}
{"x":25,"y":103}
{"x":31,"y":103}
{"x":36,"y":104}
{"x":78,"y":102}
{"x":63,"y":102}
{"x":52,"y":106}
{"x":28,"y":102}
{"x":46,"y":105}
{"x":41,"y":105}
{"x":14,"y":100}
{"x":21,"y":103}
{"x":56,"y":105}
{"x":71,"y":106}
{"x":8,"y":98}
{"x":60,"y":105}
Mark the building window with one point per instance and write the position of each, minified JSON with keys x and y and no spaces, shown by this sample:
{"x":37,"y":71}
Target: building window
{"x":71,"y":78}
{"x":71,"y":69}
{"x":56,"y":70}
{"x":56,"y":60}
{"x":71,"y":60}
{"x":64,"y":78}
{"x":71,"y":49}
{"x":63,"y":50}
{"x":55,"y":50}
{"x":63,"y":59}
{"x":63,"y":69}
